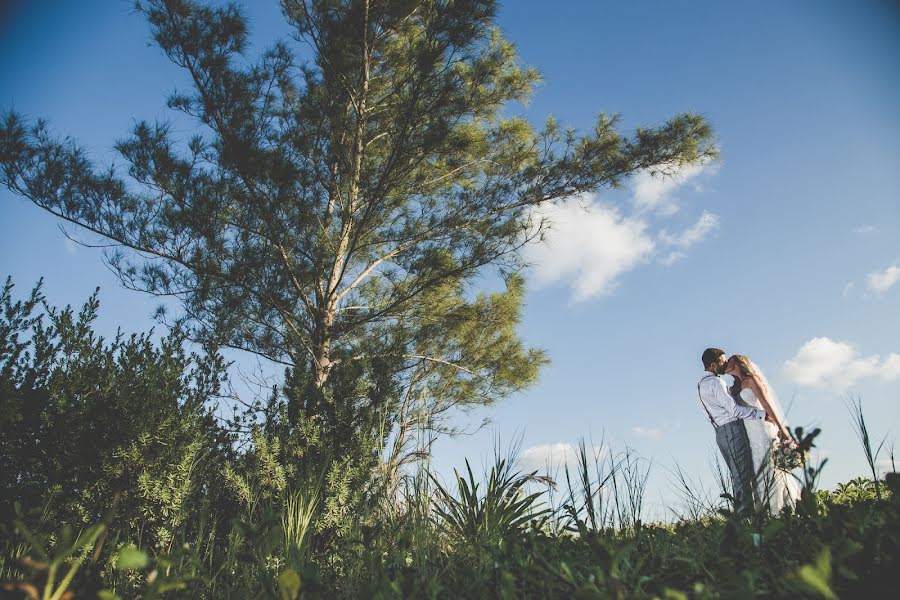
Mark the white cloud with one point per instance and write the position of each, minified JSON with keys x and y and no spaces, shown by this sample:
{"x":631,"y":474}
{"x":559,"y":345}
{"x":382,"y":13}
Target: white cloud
{"x":848,"y":288}
{"x":672,"y":257}
{"x":881,"y":281}
{"x":826,"y":363}
{"x":550,"y":457}
{"x":705,"y":225}
{"x":648,"y":433}
{"x":652,"y":189}
{"x":589,"y":245}
{"x":71,"y":247}
{"x":865,"y":229}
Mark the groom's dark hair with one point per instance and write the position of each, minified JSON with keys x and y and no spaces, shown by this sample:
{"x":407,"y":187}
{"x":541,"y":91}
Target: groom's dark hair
{"x":711,"y":355}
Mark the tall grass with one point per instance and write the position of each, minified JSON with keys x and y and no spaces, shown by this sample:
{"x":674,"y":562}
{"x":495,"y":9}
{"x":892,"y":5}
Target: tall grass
{"x":296,"y":524}
{"x":854,"y":405}
{"x":696,"y":500}
{"x":588,"y":493}
{"x":629,"y":486}
{"x":484,"y":519}
{"x":17,"y":548}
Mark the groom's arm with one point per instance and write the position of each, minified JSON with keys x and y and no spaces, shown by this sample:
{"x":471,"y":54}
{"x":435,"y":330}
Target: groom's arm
{"x":733,"y":408}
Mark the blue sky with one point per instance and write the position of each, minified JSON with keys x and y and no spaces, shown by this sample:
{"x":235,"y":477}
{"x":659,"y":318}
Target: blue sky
{"x":785,"y":249}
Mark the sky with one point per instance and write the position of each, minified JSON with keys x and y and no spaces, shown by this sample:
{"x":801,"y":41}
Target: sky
{"x":784,"y":249}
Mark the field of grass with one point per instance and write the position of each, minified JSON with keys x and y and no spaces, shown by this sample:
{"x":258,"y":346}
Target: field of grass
{"x":497,"y":536}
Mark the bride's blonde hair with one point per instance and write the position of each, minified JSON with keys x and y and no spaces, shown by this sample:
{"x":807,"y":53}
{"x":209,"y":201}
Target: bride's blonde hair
{"x":744,"y":363}
{"x":748,"y":368}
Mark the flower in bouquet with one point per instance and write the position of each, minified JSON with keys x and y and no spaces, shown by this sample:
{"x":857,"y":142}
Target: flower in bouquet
{"x":788,"y":455}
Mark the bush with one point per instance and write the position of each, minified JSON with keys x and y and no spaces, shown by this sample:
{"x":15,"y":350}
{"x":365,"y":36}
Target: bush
{"x":92,"y":425}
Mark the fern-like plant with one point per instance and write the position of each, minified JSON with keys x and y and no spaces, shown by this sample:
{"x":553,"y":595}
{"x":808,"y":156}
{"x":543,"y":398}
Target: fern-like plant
{"x":484,"y":520}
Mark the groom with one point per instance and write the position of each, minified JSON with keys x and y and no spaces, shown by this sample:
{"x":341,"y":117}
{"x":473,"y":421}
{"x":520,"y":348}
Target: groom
{"x":727,"y":418}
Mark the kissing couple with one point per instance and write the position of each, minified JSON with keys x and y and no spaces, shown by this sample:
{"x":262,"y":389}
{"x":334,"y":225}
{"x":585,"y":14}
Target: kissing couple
{"x":749,"y":424}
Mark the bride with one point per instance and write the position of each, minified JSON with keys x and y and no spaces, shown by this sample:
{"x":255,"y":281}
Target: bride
{"x":773,"y":488}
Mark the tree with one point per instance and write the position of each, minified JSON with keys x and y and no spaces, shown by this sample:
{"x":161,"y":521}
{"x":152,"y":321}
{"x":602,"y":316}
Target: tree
{"x":342,"y":205}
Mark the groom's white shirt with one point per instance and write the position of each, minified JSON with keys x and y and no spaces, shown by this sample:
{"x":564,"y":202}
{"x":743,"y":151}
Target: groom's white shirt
{"x":719,"y":404}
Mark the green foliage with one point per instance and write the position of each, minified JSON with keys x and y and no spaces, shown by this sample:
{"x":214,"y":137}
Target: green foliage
{"x":60,"y":554}
{"x":91,"y":420}
{"x":165,"y":505}
{"x":296,"y":521}
{"x":484,"y":521}
{"x":130,"y":557}
{"x":116,"y":430}
{"x":815,"y":579}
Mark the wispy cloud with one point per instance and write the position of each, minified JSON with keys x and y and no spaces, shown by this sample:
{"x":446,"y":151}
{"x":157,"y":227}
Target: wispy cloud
{"x":879,"y":282}
{"x":71,"y":247}
{"x":652,"y":434}
{"x":848,"y":288}
{"x":681,"y":242}
{"x":653,"y":190}
{"x":865,"y":230}
{"x":825,"y":363}
{"x":550,"y":457}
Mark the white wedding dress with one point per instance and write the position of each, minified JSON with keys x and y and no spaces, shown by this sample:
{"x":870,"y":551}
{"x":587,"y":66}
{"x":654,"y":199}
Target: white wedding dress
{"x":773,"y":487}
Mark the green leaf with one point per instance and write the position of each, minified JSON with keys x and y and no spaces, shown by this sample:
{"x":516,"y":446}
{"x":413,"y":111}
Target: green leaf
{"x":815,"y":578}
{"x":171,"y":585}
{"x":131,"y":558}
{"x":815,"y":582}
{"x":108,"y":595}
{"x":289,"y":585}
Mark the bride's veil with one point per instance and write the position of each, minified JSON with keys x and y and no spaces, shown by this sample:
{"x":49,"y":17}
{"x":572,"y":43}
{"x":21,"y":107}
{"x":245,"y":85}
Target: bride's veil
{"x":772,"y":396}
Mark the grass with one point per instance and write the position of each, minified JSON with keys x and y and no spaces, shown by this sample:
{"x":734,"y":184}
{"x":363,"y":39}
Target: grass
{"x":862,"y":432}
{"x":500,"y":535}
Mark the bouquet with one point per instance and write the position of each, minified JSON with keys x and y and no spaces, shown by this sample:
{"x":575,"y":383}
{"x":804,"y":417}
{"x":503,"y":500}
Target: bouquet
{"x":788,"y":455}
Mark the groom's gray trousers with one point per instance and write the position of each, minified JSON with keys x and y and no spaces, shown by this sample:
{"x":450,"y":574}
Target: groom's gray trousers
{"x":735,"y":448}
